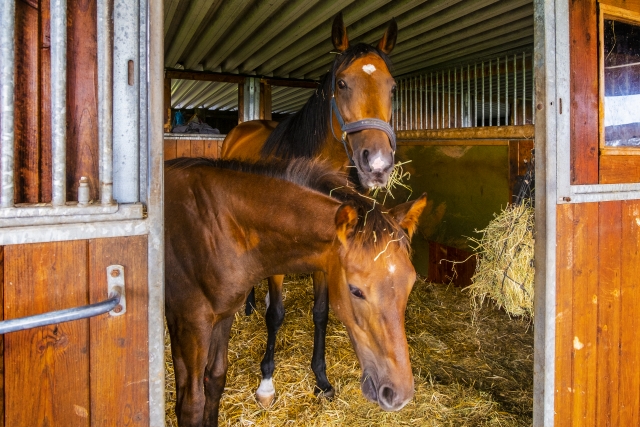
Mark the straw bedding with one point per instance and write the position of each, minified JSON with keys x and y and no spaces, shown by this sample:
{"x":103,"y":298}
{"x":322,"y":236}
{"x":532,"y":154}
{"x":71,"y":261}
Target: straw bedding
{"x":472,"y":367}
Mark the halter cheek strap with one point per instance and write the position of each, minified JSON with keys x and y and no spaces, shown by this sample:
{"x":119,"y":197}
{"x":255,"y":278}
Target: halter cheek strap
{"x":358,"y":125}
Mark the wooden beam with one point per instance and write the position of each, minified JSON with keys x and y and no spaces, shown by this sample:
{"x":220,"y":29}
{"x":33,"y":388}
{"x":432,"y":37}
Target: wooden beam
{"x":487,"y":132}
{"x":265,"y":101}
{"x":167,"y":105}
{"x":312,"y":84}
{"x":240,"y":103}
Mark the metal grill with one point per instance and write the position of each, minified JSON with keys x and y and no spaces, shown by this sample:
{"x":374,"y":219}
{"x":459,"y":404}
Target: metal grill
{"x":495,"y":92}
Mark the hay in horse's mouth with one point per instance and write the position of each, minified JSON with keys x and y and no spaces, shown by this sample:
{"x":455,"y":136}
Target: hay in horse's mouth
{"x":466,"y":374}
{"x":396,"y":179}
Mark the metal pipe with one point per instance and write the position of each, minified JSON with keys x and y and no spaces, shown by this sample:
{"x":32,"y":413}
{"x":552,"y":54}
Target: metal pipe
{"x":410,"y":102}
{"x":105,"y":100}
{"x":59,"y":100}
{"x":60,"y":316}
{"x":422,"y":125}
{"x":448,"y":99}
{"x":506,"y":89}
{"x":490,"y":92}
{"x":515,"y":92}
{"x":7,"y":134}
{"x":455,"y":99}
{"x":524,"y":89}
{"x":431,"y":115}
{"x":437,"y":101}
{"x":482,"y":71}
{"x":475,"y":94}
{"x":469,"y":95}
{"x":498,"y":83}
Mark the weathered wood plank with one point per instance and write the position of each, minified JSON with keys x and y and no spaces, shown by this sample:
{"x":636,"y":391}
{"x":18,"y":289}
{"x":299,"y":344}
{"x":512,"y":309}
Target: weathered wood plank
{"x":119,"y":345}
{"x":2,"y":387}
{"x":183,"y":148}
{"x":170,"y":149}
{"x":82,"y":98}
{"x":211,"y":149}
{"x":46,"y":368}
{"x":45,"y":168}
{"x":487,"y":132}
{"x":27,"y":103}
{"x":584,"y":91}
{"x":629,"y":400}
{"x":564,"y":315}
{"x":584,"y":313}
{"x":608,"y":350}
{"x":197,"y":147}
{"x":619,"y":169}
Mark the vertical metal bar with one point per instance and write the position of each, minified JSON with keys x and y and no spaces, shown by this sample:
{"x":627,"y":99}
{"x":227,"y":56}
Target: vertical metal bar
{"x":431,"y":103}
{"x":443,"y":104}
{"x":422,"y":126}
{"x":475,"y":94}
{"x":533,"y":93}
{"x":410,"y":102}
{"x":455,"y":98}
{"x":402,"y":110}
{"x":437,"y":101}
{"x":506,"y":90}
{"x":59,"y":100}
{"x":7,"y":135}
{"x":416,"y":124}
{"x":498,"y":83}
{"x":105,"y":100}
{"x":490,"y":92}
{"x":449,"y":99}
{"x":524,"y":90}
{"x":482,"y":71}
{"x":515,"y":91}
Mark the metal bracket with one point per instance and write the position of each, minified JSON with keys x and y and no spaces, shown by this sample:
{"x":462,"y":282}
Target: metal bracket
{"x":115,"y":284}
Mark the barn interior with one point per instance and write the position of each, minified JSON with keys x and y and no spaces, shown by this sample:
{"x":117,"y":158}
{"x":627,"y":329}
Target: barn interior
{"x":462,"y":113}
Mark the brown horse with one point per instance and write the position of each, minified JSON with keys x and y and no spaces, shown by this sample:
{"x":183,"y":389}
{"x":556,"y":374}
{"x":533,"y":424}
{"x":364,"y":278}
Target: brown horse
{"x":220,"y":239}
{"x":352,"y":101}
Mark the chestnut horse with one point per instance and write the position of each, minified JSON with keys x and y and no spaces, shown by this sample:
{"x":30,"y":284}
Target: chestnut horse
{"x":352,"y":101}
{"x":220,"y":238}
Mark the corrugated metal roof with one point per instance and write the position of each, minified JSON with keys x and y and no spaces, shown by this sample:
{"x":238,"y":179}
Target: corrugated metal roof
{"x":292,"y":39}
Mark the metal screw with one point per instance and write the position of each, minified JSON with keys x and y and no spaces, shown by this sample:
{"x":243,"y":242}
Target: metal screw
{"x":115,"y":273}
{"x":566,"y":199}
{"x":117,"y":308}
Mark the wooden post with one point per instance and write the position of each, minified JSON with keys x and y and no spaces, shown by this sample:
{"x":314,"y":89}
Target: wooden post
{"x":265,"y":101}
{"x":167,"y":105}
{"x":240,"y":102}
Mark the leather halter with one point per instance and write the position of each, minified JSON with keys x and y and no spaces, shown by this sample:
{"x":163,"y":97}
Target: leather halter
{"x":347,"y":128}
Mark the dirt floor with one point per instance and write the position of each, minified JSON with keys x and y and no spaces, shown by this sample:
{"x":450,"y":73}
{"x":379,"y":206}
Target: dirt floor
{"x":471,"y":368}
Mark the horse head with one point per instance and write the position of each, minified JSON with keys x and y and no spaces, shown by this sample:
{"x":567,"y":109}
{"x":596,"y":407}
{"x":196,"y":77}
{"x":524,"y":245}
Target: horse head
{"x":362,"y":89}
{"x":369,"y":290}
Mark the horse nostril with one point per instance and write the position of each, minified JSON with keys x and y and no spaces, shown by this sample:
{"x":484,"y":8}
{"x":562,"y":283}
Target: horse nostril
{"x":387,"y":395}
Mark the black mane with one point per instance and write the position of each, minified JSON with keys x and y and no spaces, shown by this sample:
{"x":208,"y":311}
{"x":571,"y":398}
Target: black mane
{"x":375,"y":228}
{"x":303,"y":133}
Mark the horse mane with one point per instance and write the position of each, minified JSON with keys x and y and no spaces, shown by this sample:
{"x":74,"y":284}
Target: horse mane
{"x":375,"y":228}
{"x":303,"y":133}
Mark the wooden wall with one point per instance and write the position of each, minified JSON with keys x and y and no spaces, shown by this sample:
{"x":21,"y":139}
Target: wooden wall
{"x":191,"y":148}
{"x":91,"y":372}
{"x":598,"y":301}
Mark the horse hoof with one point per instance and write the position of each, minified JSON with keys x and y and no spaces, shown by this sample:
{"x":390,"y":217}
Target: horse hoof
{"x":329,"y":393}
{"x":266,"y":393}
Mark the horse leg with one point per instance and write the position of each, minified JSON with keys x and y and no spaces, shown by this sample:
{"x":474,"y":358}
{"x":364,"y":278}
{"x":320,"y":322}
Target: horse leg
{"x":320,"y":318}
{"x":215,"y":376}
{"x":189,"y":363}
{"x":250,"y":304}
{"x":273,"y":318}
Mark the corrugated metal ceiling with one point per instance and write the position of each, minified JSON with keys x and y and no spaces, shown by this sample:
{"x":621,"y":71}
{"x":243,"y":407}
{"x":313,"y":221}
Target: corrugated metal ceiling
{"x":292,"y":39}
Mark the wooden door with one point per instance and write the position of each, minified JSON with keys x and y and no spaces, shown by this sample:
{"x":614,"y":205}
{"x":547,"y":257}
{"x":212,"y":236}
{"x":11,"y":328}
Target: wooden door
{"x":105,"y":370}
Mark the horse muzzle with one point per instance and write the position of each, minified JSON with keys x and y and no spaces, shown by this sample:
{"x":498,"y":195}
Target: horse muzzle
{"x":388,"y":396}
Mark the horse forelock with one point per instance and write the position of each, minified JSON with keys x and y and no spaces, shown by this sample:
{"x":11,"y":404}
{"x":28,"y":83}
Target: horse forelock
{"x":303,"y":133}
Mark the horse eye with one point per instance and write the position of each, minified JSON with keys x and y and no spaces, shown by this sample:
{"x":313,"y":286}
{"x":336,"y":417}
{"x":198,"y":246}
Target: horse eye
{"x":393,"y":89}
{"x":356,"y":292}
{"x":342,"y":84}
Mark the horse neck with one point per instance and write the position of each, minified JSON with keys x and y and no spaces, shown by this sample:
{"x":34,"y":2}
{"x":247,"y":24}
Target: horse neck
{"x":332,"y":148}
{"x":294,"y":228}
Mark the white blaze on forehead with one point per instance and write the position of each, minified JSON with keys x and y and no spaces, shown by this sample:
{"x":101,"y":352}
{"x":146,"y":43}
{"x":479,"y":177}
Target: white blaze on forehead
{"x":377,"y":162}
{"x":391,"y":268}
{"x":369,"y":68}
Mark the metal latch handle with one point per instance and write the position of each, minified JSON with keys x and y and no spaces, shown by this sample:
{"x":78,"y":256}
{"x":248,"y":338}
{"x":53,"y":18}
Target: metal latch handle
{"x":115,"y":305}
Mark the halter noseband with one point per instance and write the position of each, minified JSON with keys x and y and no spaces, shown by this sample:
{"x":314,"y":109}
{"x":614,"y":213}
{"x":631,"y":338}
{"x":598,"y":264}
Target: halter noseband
{"x":358,"y":125}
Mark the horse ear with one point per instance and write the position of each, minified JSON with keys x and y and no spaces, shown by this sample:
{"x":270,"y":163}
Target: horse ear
{"x":407,"y":214}
{"x":388,"y":40}
{"x":346,"y":220}
{"x":339,"y":34}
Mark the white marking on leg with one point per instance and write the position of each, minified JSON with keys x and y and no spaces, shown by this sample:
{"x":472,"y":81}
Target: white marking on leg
{"x":267,"y":300}
{"x":266,"y":388}
{"x":369,"y":68}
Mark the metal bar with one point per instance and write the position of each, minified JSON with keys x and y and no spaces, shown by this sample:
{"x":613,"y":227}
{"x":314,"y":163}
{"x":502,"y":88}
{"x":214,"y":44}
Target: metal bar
{"x":437,"y":101}
{"x":105,"y":100}
{"x":469,"y":95}
{"x":498,"y":83}
{"x":524,"y":89}
{"x":431,"y":93}
{"x":482,"y":71}
{"x":422,"y":126}
{"x":61,"y":316}
{"x":506,"y":89}
{"x":455,"y":99}
{"x":410,"y":103}
{"x":59,"y":100}
{"x":490,"y":92}
{"x":7,"y":135}
{"x":449,"y":98}
{"x":475,"y":94}
{"x":515,"y":91}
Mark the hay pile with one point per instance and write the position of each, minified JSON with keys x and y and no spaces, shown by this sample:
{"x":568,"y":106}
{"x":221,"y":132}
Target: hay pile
{"x":466,"y":374}
{"x":504,"y":271}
